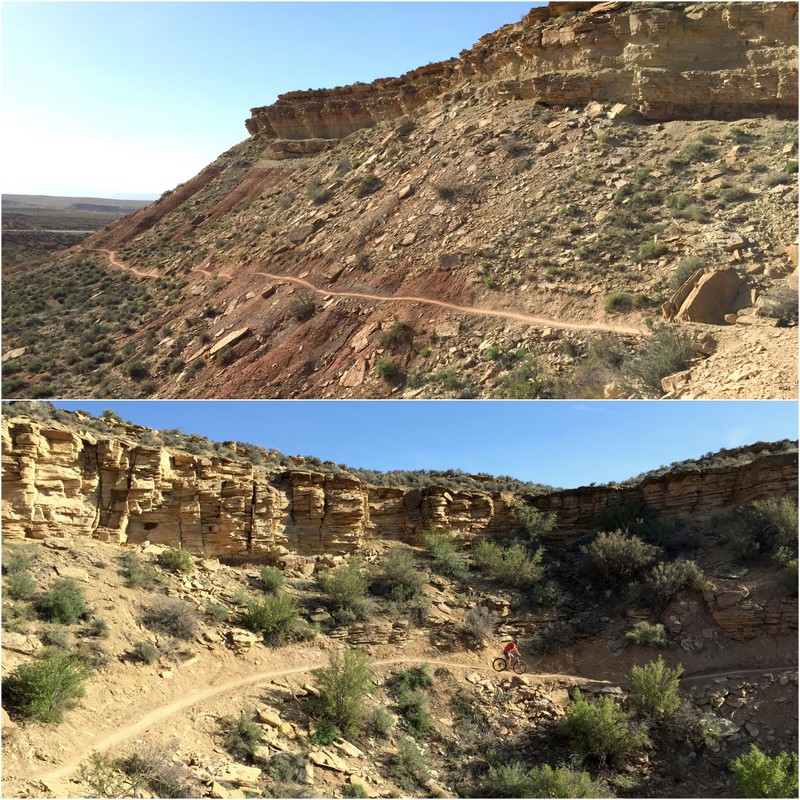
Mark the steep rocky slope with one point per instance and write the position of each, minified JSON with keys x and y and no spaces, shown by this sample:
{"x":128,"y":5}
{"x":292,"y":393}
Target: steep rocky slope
{"x":507,"y":223}
{"x":66,"y":479}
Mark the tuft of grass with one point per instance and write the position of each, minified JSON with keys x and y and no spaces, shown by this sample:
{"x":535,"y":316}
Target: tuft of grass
{"x":647,"y":634}
{"x":618,"y":301}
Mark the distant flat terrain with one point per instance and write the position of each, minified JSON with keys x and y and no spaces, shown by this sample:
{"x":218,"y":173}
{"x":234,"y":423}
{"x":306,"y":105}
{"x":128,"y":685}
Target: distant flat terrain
{"x":35,"y":226}
{"x":28,"y":203}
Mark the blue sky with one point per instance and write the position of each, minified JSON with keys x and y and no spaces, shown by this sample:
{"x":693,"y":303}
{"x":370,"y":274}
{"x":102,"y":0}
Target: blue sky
{"x":101,"y":99}
{"x":558,"y":443}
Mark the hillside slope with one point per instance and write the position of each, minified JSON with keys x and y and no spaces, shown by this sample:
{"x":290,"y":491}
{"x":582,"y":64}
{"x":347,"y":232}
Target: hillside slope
{"x":505,"y":224}
{"x":182,"y":647}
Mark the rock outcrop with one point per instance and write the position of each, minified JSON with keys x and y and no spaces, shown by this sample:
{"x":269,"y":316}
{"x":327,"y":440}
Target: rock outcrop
{"x":68,"y":481}
{"x":663,"y":62}
{"x":59,"y":481}
{"x":679,"y":493}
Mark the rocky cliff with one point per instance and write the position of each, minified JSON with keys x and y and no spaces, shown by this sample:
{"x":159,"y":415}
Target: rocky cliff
{"x":61,"y":480}
{"x":686,"y":492}
{"x":666,"y":61}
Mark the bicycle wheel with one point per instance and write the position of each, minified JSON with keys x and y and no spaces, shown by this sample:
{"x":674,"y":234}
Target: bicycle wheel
{"x":499,"y":664}
{"x":520,"y":667}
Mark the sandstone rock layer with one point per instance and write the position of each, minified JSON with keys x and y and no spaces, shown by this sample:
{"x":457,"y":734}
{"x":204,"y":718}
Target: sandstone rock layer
{"x":684,"y":61}
{"x":63,"y":481}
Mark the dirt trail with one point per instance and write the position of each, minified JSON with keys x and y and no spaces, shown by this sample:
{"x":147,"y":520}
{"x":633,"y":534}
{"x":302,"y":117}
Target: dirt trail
{"x":483,"y":312}
{"x":383,"y":298}
{"x":163,"y":712}
{"x":111,"y":255}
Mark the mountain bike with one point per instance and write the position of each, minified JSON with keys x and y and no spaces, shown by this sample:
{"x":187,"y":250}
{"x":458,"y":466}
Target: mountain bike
{"x":517,"y":664}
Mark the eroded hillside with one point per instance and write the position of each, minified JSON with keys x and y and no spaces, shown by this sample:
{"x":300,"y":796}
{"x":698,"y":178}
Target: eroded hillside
{"x":199,"y":672}
{"x":510,"y":223}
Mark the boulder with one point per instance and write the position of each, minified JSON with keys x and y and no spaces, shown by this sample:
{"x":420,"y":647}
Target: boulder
{"x":73,"y":573}
{"x":20,"y":643}
{"x":714,"y":296}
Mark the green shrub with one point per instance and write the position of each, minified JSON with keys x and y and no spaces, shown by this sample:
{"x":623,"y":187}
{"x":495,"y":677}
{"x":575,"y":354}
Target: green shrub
{"x":56,"y":636}
{"x":602,"y":731}
{"x":146,"y":652}
{"x":648,"y":251}
{"x":616,"y":557}
{"x":413,"y":678}
{"x":369,"y":185}
{"x":171,"y":616}
{"x":43,"y":689}
{"x":19,"y":585}
{"x":533,"y":522}
{"x":647,"y":634}
{"x":342,"y":690}
{"x":386,"y":368}
{"x":760,"y":775}
{"x":527,"y":382}
{"x":399,"y":335}
{"x":176,"y":560}
{"x":354,"y":790}
{"x":664,"y":352}
{"x":765,"y":529}
{"x":217,"y":611}
{"x":275,"y":617}
{"x":699,"y":151}
{"x":346,"y":586}
{"x":654,"y":689}
{"x":668,"y":578}
{"x":791,"y":166}
{"x":737,"y":194}
{"x":515,"y":780}
{"x":135,"y":572}
{"x":618,"y":301}
{"x":64,"y":603}
{"x":399,"y":577}
{"x":413,"y":706}
{"x":271,"y":579}
{"x":242,"y":735}
{"x":510,"y":566}
{"x":684,"y":269}
{"x":378,"y":723}
{"x":17,"y":559}
{"x":447,"y":559}
{"x":409,"y":766}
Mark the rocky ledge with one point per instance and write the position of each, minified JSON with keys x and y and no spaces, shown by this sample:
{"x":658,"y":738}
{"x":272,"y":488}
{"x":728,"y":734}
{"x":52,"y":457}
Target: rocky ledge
{"x":663,"y":61}
{"x":69,"y":481}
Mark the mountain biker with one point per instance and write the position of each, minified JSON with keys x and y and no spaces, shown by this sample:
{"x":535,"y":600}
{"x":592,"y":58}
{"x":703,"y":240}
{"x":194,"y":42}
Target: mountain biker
{"x":510,"y":650}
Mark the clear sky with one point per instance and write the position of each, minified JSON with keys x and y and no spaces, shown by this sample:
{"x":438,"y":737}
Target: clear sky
{"x":102,"y":99}
{"x":561,"y":443}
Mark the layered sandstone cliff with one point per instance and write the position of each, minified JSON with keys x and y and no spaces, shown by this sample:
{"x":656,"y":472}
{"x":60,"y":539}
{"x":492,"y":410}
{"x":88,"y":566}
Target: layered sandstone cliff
{"x":666,"y":61}
{"x":62,"y":480}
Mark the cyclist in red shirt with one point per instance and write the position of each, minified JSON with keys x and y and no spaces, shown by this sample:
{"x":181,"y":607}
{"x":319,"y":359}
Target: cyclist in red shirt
{"x":510,"y":650}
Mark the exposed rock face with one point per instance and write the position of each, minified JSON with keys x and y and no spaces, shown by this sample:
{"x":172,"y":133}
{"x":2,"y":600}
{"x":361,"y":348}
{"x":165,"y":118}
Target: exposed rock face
{"x":60,"y":481}
{"x":679,"y":493}
{"x":742,"y":57}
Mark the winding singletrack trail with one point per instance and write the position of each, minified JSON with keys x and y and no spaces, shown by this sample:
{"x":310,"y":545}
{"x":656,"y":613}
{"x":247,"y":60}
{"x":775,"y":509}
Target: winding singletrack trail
{"x":163,"y":712}
{"x":111,"y":255}
{"x":544,"y":322}
{"x":482,"y":312}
